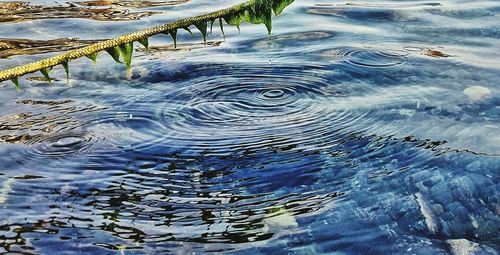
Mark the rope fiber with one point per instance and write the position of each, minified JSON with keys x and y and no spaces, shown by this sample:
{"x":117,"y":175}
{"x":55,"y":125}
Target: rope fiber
{"x":242,"y":11}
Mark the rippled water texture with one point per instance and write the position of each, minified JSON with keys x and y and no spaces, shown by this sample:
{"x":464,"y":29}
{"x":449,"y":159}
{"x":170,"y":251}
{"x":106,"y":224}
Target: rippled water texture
{"x":360,"y":127}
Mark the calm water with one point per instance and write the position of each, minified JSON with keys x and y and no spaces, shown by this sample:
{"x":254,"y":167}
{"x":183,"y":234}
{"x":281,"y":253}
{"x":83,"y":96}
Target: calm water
{"x":357,"y":127}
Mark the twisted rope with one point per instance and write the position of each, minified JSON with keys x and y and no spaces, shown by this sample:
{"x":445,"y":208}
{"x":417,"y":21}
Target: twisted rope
{"x":15,"y":72}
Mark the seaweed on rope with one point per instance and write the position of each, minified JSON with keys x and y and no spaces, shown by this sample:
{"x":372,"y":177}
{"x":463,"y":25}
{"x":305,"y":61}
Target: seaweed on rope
{"x":121,"y":48}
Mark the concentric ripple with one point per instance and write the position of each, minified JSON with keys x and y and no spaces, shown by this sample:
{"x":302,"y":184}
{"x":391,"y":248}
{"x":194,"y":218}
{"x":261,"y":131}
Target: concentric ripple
{"x":366,"y":57}
{"x":61,"y":145}
{"x":240,"y":110}
{"x":236,"y":154}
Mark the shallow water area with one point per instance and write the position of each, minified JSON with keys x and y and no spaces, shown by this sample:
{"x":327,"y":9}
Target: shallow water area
{"x":355,"y":127}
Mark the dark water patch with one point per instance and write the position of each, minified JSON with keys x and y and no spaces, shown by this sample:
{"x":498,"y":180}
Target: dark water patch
{"x":400,"y":12}
{"x":291,"y":40}
{"x":361,"y":13}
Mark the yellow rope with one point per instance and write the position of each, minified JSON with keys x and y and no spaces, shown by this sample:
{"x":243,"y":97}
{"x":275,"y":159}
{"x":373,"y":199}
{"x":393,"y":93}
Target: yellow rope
{"x":15,"y":72}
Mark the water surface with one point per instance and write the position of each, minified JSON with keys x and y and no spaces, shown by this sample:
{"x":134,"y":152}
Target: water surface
{"x":357,"y":127}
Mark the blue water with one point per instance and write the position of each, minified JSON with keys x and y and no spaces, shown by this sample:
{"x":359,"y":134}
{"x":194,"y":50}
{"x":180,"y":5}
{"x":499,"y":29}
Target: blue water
{"x":356,"y":128}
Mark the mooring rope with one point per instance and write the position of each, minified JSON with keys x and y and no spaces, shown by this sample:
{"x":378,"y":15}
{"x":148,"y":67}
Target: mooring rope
{"x":253,"y":11}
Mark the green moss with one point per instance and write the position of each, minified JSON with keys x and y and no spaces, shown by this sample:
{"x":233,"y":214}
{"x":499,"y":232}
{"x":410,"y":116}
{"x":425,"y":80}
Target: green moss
{"x":16,"y":83}
{"x":115,"y":53}
{"x":126,"y":51}
{"x":45,"y":73}
{"x":173,"y":34}
{"x":66,"y":69}
{"x":222,"y":28}
{"x":202,"y":26}
{"x":235,"y":19}
{"x":280,"y":5}
{"x":93,"y":56}
{"x":144,"y":42}
{"x":189,"y":30}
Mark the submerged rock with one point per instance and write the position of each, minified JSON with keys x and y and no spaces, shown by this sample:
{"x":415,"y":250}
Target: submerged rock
{"x":477,"y":93}
{"x":462,"y":246}
{"x":282,"y":219}
{"x":466,"y":247}
{"x":430,"y":218}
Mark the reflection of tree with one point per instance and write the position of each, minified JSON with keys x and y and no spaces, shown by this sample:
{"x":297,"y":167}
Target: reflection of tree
{"x":11,"y":47}
{"x":173,"y":201}
{"x":171,"y":198}
{"x":12,"y":239}
{"x":159,"y":199}
{"x":22,"y":11}
{"x":41,"y":120}
{"x":131,"y":3}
